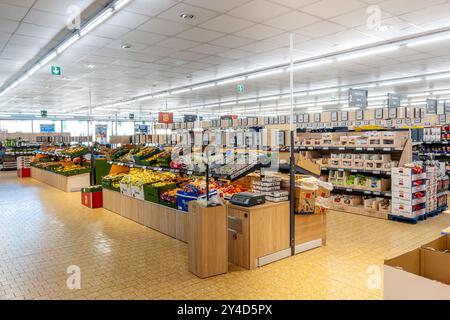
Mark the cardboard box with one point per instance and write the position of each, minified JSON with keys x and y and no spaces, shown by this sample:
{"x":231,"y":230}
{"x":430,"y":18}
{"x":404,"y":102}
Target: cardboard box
{"x":405,"y":278}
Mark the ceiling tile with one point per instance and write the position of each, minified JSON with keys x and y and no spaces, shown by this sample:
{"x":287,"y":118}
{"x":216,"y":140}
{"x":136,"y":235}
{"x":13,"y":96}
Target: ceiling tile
{"x":357,"y":18}
{"x":164,"y":27}
{"x":259,"y":10}
{"x":217,"y":5}
{"x":226,"y":24}
{"x":127,"y":19}
{"x":208,"y":49}
{"x":259,"y":32}
{"x":28,"y":29}
{"x":200,"y":35}
{"x":187,"y":55}
{"x":327,"y":9}
{"x":11,"y":12}
{"x":320,"y":29}
{"x":60,"y":6}
{"x":45,"y":19}
{"x":292,"y":20}
{"x":200,"y":15}
{"x":294,"y":4}
{"x":398,"y":7}
{"x":149,"y":8}
{"x":109,"y":31}
{"x":178,"y":44}
{"x":143,"y":37}
{"x":8,"y":25}
{"x":231,"y":41}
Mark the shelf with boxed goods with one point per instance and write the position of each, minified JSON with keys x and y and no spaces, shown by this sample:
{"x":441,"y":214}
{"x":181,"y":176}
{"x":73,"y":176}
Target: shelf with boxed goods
{"x":270,"y":186}
{"x":409,"y":193}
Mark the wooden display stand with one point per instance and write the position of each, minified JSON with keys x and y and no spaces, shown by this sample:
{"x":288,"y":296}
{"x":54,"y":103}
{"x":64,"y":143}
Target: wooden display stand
{"x":258,"y":235}
{"x":168,"y":221}
{"x":207,"y":230}
{"x":310,"y":231}
{"x":67,"y":184}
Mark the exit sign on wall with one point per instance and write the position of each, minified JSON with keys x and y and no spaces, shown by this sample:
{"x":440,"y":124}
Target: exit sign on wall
{"x":56,"y":71}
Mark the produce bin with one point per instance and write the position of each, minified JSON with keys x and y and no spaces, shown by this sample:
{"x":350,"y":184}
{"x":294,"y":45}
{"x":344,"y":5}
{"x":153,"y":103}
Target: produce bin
{"x":92,"y":197}
{"x":151,"y":193}
{"x":183,"y":198}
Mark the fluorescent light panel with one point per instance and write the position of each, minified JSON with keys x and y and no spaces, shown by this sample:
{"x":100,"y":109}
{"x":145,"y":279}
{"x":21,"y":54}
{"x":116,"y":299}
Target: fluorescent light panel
{"x":96,"y":22}
{"x":264,"y":74}
{"x":310,"y":64}
{"x":230,"y":81}
{"x":395,"y":82}
{"x":203,"y":86}
{"x":428,"y":40}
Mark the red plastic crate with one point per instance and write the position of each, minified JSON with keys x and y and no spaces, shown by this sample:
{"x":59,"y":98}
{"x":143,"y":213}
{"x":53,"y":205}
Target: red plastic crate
{"x":24,"y":173}
{"x":92,"y":200}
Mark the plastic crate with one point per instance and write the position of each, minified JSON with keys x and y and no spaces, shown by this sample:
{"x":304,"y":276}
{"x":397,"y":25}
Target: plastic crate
{"x":183,"y":199}
{"x":151,"y":193}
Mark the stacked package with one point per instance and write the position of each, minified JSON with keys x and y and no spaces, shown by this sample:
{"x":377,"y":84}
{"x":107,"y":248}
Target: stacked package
{"x":431,"y":188}
{"x":270,"y":186}
{"x":409,"y":191}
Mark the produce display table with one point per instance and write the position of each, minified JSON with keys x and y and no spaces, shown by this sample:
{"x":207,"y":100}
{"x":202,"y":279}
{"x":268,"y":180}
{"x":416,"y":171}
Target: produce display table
{"x":168,"y":221}
{"x":64,"y":183}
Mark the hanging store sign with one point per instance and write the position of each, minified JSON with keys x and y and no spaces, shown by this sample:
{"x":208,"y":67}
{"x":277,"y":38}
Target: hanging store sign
{"x":431,"y":106}
{"x":357,"y":98}
{"x":43,"y":113}
{"x":47,"y":128}
{"x":141,"y":128}
{"x":101,"y":131}
{"x":394,"y":100}
{"x":165,"y":117}
{"x":240,"y":88}
{"x":190,"y":118}
{"x":131,"y":116}
{"x":447,"y":107}
{"x":379,"y":113}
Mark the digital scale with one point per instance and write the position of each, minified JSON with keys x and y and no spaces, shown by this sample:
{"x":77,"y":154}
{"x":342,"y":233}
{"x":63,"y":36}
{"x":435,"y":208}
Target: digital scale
{"x":247,"y":199}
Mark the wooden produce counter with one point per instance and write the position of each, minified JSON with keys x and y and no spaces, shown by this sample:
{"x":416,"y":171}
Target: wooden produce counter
{"x":310,"y":231}
{"x":168,"y":221}
{"x":258,"y":235}
{"x":64,"y":183}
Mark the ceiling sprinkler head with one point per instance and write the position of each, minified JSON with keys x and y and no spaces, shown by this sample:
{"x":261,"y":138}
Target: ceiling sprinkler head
{"x":187,"y":16}
{"x":127,"y":46}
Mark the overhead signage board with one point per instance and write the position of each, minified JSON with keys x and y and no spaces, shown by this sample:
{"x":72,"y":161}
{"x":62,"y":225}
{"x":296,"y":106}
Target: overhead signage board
{"x":101,"y":131}
{"x":447,"y":107}
{"x":190,"y":118}
{"x":165,"y":117}
{"x":141,"y":128}
{"x":431,"y":107}
{"x":357,"y":98}
{"x":131,"y":116}
{"x":47,"y":128}
{"x":394,"y":100}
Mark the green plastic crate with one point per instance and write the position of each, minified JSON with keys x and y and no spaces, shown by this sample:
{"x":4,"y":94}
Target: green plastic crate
{"x":151,"y":193}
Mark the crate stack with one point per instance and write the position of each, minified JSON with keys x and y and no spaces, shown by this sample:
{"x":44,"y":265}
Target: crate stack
{"x":409,"y":193}
{"x":24,"y":167}
{"x":270,"y":186}
{"x":431,"y":189}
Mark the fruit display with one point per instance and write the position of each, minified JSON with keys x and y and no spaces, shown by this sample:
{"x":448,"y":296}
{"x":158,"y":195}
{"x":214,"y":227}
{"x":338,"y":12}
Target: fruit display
{"x":145,"y":152}
{"x":75,"y":151}
{"x":66,"y":168}
{"x":139,"y":177}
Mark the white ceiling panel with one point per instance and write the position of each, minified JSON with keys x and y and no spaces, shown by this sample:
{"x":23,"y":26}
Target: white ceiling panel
{"x":200,"y":35}
{"x":217,"y":5}
{"x":328,"y":9}
{"x":178,"y":44}
{"x":292,"y":20}
{"x":12,"y":12}
{"x":226,"y":23}
{"x":8,"y":26}
{"x":149,"y":8}
{"x":164,"y":27}
{"x":259,"y":11}
{"x":259,"y":32}
{"x":200,"y":15}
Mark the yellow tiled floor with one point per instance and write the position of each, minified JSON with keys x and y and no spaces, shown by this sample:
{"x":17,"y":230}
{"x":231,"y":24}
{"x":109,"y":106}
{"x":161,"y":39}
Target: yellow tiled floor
{"x":43,"y":231}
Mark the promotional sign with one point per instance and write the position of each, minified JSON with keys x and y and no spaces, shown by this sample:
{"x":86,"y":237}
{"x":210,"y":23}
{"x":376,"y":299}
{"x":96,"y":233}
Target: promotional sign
{"x":431,"y":106}
{"x":47,"y":128}
{"x":228,"y":117}
{"x":166,"y":117}
{"x":141,"y":128}
{"x":101,"y":131}
{"x":359,"y":115}
{"x":43,"y":113}
{"x":379,"y":113}
{"x":190,"y":118}
{"x":447,"y":107}
{"x":357,"y":98}
{"x":334,"y":116}
{"x":344,"y":116}
{"x":394,"y":100}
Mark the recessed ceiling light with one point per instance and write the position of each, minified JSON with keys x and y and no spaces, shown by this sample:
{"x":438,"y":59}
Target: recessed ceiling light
{"x":127,"y":46}
{"x":91,"y":66}
{"x":384,"y":27}
{"x":187,"y":16}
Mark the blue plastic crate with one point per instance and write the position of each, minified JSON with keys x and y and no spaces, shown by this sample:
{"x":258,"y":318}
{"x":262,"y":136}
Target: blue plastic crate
{"x":183,"y":199}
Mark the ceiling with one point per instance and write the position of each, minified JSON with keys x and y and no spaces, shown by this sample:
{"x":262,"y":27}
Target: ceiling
{"x":223,"y":38}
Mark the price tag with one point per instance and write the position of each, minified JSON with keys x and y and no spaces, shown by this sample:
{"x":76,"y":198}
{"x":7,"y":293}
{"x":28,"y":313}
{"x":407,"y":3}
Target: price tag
{"x":377,"y":193}
{"x":358,"y":149}
{"x":326,"y":148}
{"x":349,"y":190}
{"x":386,"y":149}
{"x":341,"y":148}
{"x":376,"y":172}
{"x":367,"y":192}
{"x":370,"y":149}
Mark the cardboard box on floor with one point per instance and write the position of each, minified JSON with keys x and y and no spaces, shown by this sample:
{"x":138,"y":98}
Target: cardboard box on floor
{"x":421,"y":274}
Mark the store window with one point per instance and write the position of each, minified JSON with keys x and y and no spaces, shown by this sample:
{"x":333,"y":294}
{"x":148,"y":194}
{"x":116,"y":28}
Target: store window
{"x":76,"y":128}
{"x":13,"y":126}
{"x":125,"y":128}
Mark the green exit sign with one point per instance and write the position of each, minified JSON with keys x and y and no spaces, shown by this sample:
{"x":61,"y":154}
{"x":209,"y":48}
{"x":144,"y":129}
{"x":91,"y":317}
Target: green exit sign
{"x":240,"y":88}
{"x":44,"y":113}
{"x":56,"y":71}
{"x":131,"y":116}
